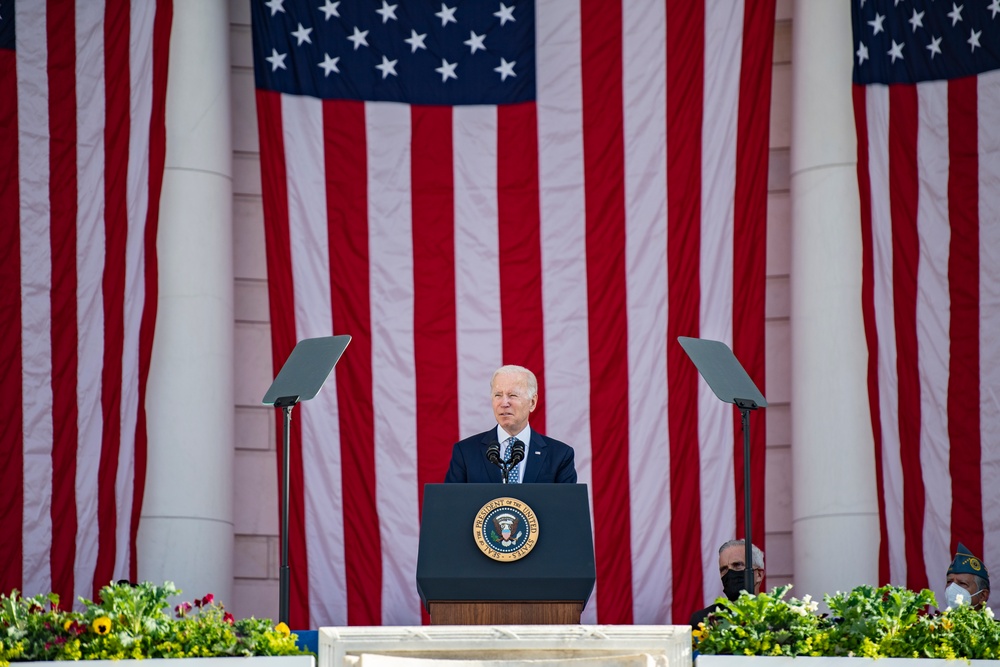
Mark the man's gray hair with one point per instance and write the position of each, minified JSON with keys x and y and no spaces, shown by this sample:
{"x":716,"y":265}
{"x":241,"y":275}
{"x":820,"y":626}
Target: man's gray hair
{"x":758,"y":555}
{"x":529,"y":378}
{"x":981,"y":584}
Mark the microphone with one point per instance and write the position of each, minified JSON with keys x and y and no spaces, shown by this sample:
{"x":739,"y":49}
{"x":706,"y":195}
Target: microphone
{"x":516,"y":453}
{"x":493,"y":453}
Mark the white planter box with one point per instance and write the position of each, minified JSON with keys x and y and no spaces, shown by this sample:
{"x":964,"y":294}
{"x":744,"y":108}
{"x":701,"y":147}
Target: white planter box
{"x":494,"y":645}
{"x":783,"y":661}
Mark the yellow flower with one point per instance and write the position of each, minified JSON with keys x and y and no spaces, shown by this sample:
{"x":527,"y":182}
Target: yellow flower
{"x":68,"y":624}
{"x":947,"y":624}
{"x":283,"y":629}
{"x":102,"y":625}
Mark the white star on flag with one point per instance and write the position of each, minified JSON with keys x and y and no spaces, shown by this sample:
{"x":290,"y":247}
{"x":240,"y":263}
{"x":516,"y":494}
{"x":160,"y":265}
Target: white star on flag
{"x":447,"y":70}
{"x":360,"y":38}
{"x":862,"y":53}
{"x":329,"y":64}
{"x":475,"y":42}
{"x":416,"y":41}
{"x":505,"y":69}
{"x":277,"y":60}
{"x":387,"y":67}
{"x":447,"y":15}
{"x":955,"y":14}
{"x":505,"y":14}
{"x":896,"y":51}
{"x":329,"y":8}
{"x":877,"y":24}
{"x":934,"y":47}
{"x":974,"y":38}
{"x":275,"y":6}
{"x":387,"y":12}
{"x":302,"y":35}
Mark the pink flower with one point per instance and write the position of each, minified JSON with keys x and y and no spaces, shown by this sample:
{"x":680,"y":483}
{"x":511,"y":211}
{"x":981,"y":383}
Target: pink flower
{"x":183,"y":609}
{"x":229,"y":618}
{"x":208,"y":599}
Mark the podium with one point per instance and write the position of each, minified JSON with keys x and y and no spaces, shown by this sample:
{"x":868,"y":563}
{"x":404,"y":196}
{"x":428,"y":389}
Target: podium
{"x":461,"y":584}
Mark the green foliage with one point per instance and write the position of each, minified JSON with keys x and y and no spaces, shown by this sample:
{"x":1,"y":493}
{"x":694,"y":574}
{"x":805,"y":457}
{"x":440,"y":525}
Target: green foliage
{"x":885,"y":622}
{"x":132,"y":621}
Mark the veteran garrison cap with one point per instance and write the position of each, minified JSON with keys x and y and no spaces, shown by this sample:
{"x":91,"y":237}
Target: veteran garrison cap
{"x":966,"y":563}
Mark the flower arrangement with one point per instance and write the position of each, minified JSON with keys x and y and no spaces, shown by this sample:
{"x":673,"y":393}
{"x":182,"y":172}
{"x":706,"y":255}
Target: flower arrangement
{"x":884,"y":622}
{"x":132,"y":621}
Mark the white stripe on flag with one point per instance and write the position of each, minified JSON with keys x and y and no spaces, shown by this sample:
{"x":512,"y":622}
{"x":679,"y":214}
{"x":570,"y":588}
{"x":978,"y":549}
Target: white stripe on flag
{"x":477,"y":269}
{"x":645,"y":128}
{"x":90,"y":258}
{"x":306,"y":175}
{"x":141,"y":104}
{"x":723,"y":52}
{"x":878,"y":144}
{"x":563,"y":237}
{"x":36,"y":277}
{"x":390,"y":250}
{"x":933,"y":321}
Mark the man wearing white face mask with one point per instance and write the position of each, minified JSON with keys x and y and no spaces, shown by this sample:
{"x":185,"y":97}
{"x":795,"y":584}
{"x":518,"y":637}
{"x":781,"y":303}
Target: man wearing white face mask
{"x":968,"y":580}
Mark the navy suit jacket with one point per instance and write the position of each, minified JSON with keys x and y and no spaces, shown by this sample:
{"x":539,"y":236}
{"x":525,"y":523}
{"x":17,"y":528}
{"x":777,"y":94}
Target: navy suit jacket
{"x":548,"y":461}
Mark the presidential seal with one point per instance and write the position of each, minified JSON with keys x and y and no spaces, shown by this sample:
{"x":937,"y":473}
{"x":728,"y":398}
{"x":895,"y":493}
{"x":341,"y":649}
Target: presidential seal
{"x":505,"y":529}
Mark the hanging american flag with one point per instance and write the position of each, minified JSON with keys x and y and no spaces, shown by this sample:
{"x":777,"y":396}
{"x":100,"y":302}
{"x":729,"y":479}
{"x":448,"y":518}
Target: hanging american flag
{"x":81,"y":161}
{"x":568,"y":185}
{"x":927,"y":109}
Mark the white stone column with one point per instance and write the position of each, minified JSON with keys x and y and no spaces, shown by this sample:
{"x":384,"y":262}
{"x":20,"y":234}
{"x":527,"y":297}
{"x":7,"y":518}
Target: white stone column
{"x":186,"y":528}
{"x":834,"y":505}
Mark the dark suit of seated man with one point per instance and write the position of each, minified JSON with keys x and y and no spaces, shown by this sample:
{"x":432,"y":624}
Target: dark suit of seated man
{"x":515,"y":395}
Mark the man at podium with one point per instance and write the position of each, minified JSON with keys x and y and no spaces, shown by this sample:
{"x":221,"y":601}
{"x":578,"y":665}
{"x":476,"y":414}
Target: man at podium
{"x":545,"y":460}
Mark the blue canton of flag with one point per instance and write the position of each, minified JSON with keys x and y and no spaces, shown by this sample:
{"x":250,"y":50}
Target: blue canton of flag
{"x":7,"y":24}
{"x":417,"y":52}
{"x":907,"y":41}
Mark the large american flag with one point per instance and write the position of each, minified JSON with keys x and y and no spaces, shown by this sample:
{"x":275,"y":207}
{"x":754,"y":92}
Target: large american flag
{"x":568,"y":185}
{"x":927,"y":108}
{"x":81,"y":162}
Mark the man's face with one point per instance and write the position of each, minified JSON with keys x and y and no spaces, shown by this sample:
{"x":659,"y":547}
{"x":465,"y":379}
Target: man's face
{"x":511,"y":405}
{"x":967,"y":581}
{"x":734,"y":558}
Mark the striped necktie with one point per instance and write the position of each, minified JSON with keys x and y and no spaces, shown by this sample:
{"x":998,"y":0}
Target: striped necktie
{"x":515,"y":474}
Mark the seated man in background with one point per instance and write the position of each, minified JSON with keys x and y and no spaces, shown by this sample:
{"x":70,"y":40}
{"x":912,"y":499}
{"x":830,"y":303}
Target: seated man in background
{"x":968,"y":579}
{"x":732,"y":565}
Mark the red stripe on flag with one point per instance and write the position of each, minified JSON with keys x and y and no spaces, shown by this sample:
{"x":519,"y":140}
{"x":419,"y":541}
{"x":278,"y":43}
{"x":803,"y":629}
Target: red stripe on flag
{"x":347,"y":211}
{"x":520,"y":249}
{"x":434,"y":340}
{"x":157,"y":153}
{"x":685,"y":66}
{"x":281,"y":295}
{"x":903,"y":192}
{"x":963,"y":280}
{"x":749,"y":270}
{"x":868,"y":312}
{"x":604,"y":173}
{"x":116,"y":152}
{"x":61,"y":69}
{"x":11,"y":392}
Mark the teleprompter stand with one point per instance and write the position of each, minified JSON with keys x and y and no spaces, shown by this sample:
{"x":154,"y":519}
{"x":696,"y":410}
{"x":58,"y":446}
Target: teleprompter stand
{"x":730,"y":382}
{"x":300,"y":379}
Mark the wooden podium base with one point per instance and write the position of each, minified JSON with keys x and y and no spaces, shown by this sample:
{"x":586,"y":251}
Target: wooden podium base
{"x":505,"y":613}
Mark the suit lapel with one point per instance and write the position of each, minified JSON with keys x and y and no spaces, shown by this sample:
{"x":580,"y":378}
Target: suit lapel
{"x":538,"y":454}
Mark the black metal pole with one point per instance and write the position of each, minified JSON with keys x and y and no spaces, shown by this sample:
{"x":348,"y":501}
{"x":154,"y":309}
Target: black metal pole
{"x":748,"y":576}
{"x":283,"y":580}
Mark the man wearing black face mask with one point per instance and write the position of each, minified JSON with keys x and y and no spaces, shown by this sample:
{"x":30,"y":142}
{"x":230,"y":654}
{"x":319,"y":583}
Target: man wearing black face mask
{"x":732,"y":565}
